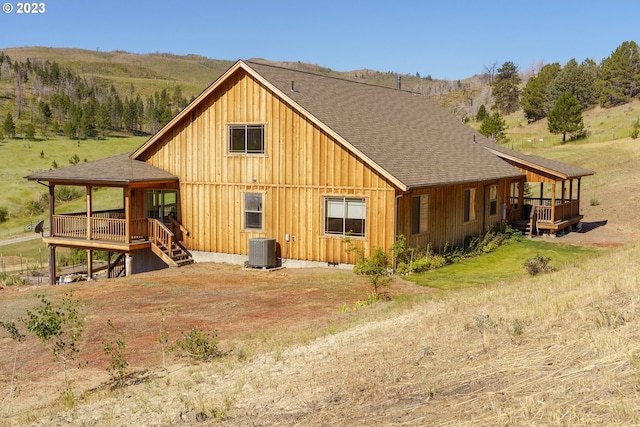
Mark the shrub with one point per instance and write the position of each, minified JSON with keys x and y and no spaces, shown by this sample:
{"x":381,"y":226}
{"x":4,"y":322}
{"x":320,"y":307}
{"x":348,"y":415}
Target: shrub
{"x":538,"y":264}
{"x":4,"y":214}
{"x":594,"y":201}
{"x":114,"y":348}
{"x":199,"y":345}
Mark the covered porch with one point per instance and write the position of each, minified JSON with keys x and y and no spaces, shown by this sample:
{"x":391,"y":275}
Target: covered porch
{"x":145,"y":221}
{"x":549,"y":196}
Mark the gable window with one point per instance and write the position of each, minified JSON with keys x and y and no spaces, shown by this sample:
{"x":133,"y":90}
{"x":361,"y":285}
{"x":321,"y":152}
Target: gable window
{"x":419,"y":214}
{"x":246,"y":139}
{"x":493,"y":200}
{"x":344,"y":216}
{"x":469,"y":204}
{"x":253,"y":211}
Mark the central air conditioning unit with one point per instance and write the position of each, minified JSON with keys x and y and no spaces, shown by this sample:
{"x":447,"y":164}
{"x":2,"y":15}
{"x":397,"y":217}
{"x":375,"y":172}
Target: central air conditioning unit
{"x":262,"y":252}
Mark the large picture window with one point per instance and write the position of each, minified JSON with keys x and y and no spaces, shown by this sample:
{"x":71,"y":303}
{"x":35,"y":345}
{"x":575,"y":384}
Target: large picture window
{"x":246,"y":139}
{"x":253,"y":211}
{"x":344,"y":216}
{"x":469,"y":204}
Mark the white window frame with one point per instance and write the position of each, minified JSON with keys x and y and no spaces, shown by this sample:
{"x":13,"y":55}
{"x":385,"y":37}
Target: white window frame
{"x":248,"y":209}
{"x":345,"y":209}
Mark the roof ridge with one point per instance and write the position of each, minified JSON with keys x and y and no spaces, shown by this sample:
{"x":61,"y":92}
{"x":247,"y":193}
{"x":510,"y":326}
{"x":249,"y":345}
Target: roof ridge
{"x":251,"y":62}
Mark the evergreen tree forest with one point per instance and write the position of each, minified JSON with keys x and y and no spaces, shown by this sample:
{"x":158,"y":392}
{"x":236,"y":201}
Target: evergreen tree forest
{"x":46,"y":99}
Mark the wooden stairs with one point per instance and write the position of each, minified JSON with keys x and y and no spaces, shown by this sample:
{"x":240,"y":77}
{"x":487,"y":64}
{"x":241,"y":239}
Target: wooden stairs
{"x":165,"y":245}
{"x":175,"y":256}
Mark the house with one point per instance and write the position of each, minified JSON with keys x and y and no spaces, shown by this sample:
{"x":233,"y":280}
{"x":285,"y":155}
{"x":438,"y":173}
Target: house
{"x":304,"y":160}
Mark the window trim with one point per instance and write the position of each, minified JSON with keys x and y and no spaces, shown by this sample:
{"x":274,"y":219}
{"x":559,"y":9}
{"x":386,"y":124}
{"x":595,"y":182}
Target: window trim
{"x":345,"y":209}
{"x":246,"y":127}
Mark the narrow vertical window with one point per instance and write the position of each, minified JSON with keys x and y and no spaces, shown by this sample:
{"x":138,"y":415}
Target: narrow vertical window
{"x":419,"y":214}
{"x":469,"y":204}
{"x":515,"y":195}
{"x":493,"y":200}
{"x":253,"y":211}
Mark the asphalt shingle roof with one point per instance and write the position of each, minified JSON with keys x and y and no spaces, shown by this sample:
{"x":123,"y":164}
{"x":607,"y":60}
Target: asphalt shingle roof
{"x":406,"y":134}
{"x":111,"y":171}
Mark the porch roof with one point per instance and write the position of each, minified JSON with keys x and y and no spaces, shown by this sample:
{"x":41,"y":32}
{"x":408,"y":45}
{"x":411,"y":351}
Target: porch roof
{"x":540,"y":164}
{"x":116,"y":171}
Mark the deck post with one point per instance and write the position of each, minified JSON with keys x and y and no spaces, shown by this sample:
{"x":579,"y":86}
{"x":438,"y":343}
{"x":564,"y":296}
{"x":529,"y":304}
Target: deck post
{"x":89,"y":264}
{"x":553,"y":201}
{"x":52,"y":264}
{"x":127,"y":215}
{"x":128,"y":264}
{"x":89,"y":213}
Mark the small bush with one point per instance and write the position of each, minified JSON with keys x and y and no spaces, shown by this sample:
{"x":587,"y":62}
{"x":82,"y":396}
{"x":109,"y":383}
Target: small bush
{"x":4,"y":214}
{"x":594,"y":201}
{"x":538,"y":264}
{"x":199,"y":345}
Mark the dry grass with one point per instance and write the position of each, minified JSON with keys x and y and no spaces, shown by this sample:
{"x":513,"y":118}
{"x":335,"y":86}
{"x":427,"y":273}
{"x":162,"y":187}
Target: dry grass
{"x":559,"y":349}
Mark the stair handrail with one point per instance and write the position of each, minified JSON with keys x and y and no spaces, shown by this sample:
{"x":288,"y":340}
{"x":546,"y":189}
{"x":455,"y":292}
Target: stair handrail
{"x":176,"y":223}
{"x":159,"y":233}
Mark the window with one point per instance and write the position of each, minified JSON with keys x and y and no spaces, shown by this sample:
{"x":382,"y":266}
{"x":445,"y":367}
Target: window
{"x":344,"y":215}
{"x":419,"y":214}
{"x":161,"y":204}
{"x":246,"y":139}
{"x":493,"y":200}
{"x":515,"y":195}
{"x":253,"y":211}
{"x":469,"y":204}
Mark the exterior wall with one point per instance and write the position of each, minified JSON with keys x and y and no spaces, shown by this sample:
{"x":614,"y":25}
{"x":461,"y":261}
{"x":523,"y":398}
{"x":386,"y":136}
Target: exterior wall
{"x":300,"y":166}
{"x":446,"y":214}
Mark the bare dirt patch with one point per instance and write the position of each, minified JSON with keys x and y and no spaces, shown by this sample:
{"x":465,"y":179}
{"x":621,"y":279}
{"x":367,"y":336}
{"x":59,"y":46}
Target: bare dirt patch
{"x":240,"y":305}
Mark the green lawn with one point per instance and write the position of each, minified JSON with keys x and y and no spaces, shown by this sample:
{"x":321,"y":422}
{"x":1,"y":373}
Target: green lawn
{"x":506,"y":263}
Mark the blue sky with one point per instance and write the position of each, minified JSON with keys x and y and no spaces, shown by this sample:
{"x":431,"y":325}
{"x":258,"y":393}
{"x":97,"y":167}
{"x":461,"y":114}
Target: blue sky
{"x":444,"y":39}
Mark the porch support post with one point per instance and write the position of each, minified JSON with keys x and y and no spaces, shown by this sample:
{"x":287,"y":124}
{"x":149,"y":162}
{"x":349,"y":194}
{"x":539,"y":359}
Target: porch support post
{"x":564,"y":190}
{"x":578,"y":196}
{"x":571,"y":190}
{"x":89,"y":264}
{"x":89,"y":211}
{"x":52,"y":232}
{"x":127,"y":215}
{"x":52,"y":265}
{"x":541,"y":193}
{"x":553,"y":201}
{"x":128,"y":264}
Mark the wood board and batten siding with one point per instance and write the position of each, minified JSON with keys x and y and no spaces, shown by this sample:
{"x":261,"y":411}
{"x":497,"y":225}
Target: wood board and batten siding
{"x":445,"y":218}
{"x":300,"y":166}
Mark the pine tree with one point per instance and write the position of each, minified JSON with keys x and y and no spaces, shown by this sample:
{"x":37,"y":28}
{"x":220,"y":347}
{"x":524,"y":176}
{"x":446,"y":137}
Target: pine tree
{"x":482,"y":113}
{"x":9,"y":126}
{"x":506,"y":88}
{"x":619,"y":79}
{"x":566,"y":117}
{"x":535,"y":93}
{"x":494,"y":127}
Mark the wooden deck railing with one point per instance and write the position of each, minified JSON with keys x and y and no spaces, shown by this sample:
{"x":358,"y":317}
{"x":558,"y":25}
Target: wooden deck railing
{"x":545,"y":213}
{"x":159,"y":234}
{"x":99,"y":227}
